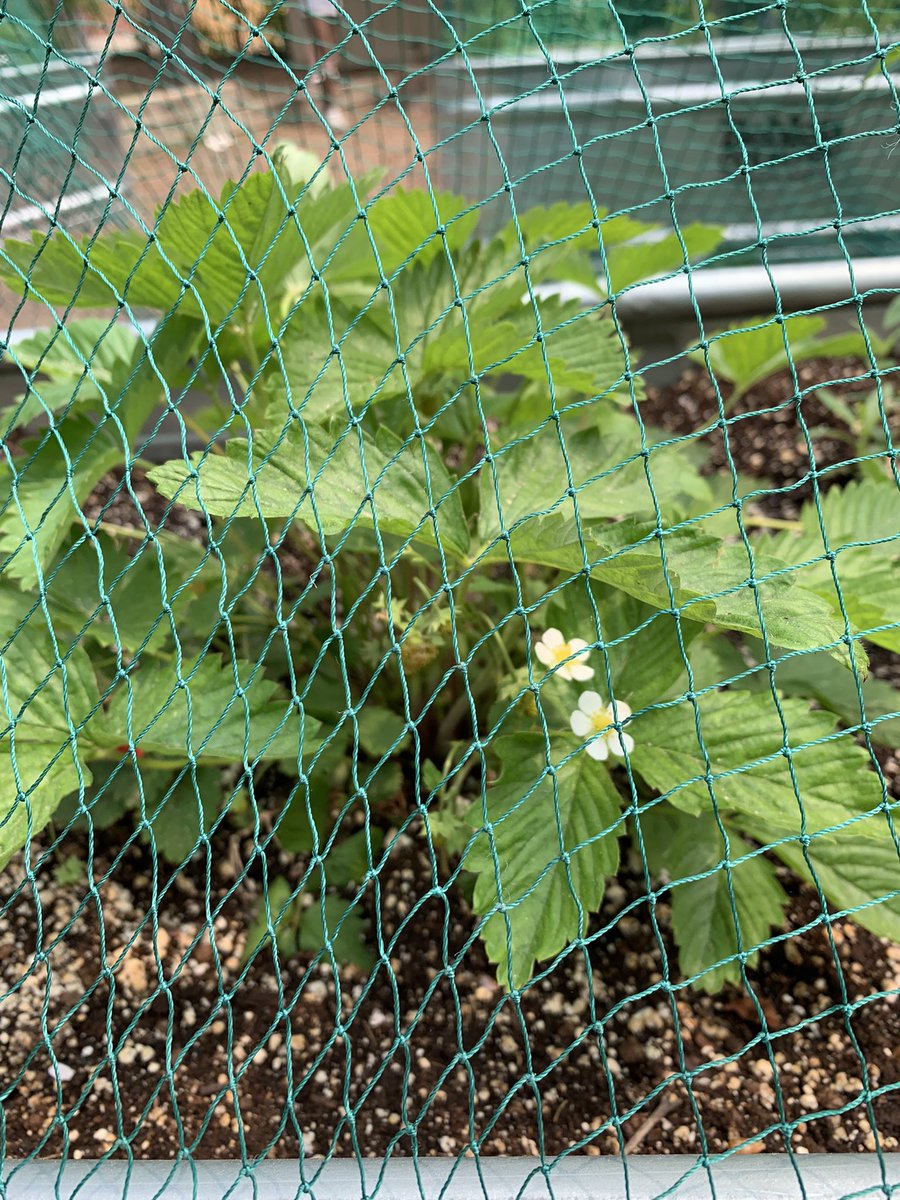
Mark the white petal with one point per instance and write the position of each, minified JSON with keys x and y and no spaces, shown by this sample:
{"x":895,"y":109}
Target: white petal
{"x":580,"y":672}
{"x":620,"y":742}
{"x":544,"y":653}
{"x":565,"y":671}
{"x":577,"y":644}
{"x":589,"y":702}
{"x":623,"y":712}
{"x":598,"y":750}
{"x":552,"y":637}
{"x":582,"y":726}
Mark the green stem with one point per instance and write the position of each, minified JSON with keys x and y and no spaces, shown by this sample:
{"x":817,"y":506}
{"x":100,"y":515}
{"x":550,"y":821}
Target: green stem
{"x":202,"y":433}
{"x":451,"y":719}
{"x":149,"y":763}
{"x":504,"y":653}
{"x":773,"y":523}
{"x":453,"y":794}
{"x":121,"y":531}
{"x":250,"y":622}
{"x":252,"y":355}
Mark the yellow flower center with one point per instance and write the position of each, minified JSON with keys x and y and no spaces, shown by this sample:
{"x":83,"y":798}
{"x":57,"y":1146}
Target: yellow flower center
{"x":601,"y":718}
{"x":561,"y":653}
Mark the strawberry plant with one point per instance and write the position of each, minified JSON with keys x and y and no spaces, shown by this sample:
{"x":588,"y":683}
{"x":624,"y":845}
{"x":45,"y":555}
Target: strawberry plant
{"x":447,"y":579}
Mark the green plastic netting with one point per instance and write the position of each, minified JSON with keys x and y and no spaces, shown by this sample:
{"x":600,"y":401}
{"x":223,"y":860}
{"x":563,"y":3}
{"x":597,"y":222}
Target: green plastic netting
{"x":439,"y":717}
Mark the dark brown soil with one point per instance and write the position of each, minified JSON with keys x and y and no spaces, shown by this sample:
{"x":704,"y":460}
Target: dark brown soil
{"x":134,"y":503}
{"x":428,"y":1054}
{"x":764,"y":431}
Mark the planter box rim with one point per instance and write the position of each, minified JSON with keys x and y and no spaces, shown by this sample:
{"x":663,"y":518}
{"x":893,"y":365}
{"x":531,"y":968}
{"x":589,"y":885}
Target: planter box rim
{"x":571,"y":1176}
{"x":15,"y":70}
{"x":598,"y":51}
{"x":686,"y":95}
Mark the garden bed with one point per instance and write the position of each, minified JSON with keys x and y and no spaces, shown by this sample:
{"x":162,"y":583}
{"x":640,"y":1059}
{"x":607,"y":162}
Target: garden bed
{"x":226,"y":1062}
{"x":394,"y":1090}
{"x":766,"y":438}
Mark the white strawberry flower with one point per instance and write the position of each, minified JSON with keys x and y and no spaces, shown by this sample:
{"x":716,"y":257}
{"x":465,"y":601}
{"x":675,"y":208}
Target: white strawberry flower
{"x":553,"y":649}
{"x":592,"y":717}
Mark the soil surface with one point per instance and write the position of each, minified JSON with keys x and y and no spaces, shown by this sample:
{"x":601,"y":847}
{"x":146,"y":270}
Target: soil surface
{"x":767,"y":433}
{"x":128,"y":1016}
{"x":134,"y":503}
{"x":177,"y":1045}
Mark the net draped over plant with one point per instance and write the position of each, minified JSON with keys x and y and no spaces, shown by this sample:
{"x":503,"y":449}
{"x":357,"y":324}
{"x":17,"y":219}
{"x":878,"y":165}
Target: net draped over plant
{"x":382,"y":630}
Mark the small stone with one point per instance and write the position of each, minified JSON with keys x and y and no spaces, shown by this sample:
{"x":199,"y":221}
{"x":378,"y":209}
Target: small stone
{"x":163,"y":942}
{"x":132,"y":974}
{"x":63,"y":1070}
{"x":644,"y":1019}
{"x":752,"y":1148}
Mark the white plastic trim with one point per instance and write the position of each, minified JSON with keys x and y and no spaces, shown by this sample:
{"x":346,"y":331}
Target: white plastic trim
{"x":741,"y":291}
{"x":649,"y":1177}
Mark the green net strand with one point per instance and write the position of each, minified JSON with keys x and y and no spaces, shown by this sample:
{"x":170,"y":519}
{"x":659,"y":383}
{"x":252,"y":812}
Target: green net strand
{"x":332,"y":302}
{"x":765,"y":638}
